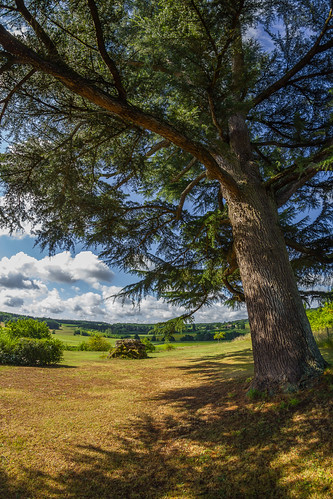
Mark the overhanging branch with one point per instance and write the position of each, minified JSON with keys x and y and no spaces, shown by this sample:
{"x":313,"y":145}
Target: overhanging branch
{"x":81,"y":86}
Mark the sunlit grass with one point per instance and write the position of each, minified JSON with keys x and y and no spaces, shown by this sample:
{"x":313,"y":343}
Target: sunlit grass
{"x":175,"y":425}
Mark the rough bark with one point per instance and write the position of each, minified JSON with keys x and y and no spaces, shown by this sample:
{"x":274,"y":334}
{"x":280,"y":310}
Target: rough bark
{"x":285,"y":353}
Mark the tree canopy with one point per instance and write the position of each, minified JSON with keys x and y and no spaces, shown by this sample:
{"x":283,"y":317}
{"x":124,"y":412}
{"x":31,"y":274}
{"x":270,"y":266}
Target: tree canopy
{"x":209,"y":111}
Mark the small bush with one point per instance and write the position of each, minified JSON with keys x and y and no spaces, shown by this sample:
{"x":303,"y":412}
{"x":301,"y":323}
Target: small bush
{"x":30,"y":351}
{"x":95,"y":343}
{"x":148,"y":345}
{"x":242,"y":337}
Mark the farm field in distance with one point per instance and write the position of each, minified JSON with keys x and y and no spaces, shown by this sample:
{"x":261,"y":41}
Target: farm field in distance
{"x":175,"y":425}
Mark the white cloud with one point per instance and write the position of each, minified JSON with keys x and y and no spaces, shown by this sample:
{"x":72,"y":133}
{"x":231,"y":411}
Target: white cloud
{"x":28,"y":286}
{"x":19,"y":270}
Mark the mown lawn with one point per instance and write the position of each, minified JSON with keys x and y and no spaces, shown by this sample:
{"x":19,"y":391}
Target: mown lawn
{"x":176,"y":425}
{"x":66,"y":335}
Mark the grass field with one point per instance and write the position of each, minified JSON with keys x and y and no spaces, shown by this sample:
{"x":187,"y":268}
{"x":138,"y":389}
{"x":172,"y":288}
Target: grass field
{"x":176,"y":425}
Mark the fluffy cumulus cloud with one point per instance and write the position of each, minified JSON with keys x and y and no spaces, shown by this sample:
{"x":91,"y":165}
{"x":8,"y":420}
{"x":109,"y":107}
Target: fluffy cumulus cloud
{"x":21,"y":270}
{"x":80,"y":287}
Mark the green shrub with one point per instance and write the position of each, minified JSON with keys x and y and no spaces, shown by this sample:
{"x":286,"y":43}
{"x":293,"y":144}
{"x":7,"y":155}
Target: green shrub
{"x":28,"y":328}
{"x":29,"y":351}
{"x":96,"y":343}
{"x":148,"y":345}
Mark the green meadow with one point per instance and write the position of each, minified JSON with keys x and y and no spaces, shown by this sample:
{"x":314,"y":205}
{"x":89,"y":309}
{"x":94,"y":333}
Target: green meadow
{"x":176,"y":425}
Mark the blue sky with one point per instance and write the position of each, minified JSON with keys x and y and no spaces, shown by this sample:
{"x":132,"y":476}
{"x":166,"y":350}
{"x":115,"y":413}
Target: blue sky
{"x":76,"y":286}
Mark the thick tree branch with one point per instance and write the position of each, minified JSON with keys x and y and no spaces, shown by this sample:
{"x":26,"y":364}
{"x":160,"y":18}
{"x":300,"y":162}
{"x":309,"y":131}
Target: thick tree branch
{"x":105,"y":56}
{"x":239,"y":295}
{"x":284,"y":194}
{"x":81,"y":86}
{"x":282,"y":82}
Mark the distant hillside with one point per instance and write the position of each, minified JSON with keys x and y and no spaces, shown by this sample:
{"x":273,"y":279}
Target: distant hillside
{"x":119,"y":328}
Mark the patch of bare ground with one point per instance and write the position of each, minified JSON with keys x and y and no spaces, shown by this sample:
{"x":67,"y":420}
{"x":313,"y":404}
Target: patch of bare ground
{"x":174,"y":426}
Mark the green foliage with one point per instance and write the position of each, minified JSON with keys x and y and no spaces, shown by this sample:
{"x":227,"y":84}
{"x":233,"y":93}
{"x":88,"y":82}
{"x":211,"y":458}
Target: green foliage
{"x":254,"y":394}
{"x":29,"y":351}
{"x":28,"y":328}
{"x":79,"y":146}
{"x":148,"y":345}
{"x":187,"y":337}
{"x":96,"y":343}
{"x":289,"y":403}
{"x":168,"y":328}
{"x":321,"y":318}
{"x":219,"y":335}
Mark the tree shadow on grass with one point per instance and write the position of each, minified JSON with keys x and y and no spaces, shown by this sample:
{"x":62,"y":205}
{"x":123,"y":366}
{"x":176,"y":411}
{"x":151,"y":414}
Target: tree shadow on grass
{"x":212,"y":442}
{"x":222,"y":366}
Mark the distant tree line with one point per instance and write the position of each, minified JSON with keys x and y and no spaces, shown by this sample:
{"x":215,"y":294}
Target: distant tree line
{"x":192,"y":332}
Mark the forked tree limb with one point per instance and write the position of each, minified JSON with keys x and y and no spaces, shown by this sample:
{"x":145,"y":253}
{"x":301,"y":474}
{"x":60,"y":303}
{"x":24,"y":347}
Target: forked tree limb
{"x":83,"y":87}
{"x":286,"y":183}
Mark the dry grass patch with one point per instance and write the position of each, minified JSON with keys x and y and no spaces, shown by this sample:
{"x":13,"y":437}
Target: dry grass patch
{"x":178,"y":425}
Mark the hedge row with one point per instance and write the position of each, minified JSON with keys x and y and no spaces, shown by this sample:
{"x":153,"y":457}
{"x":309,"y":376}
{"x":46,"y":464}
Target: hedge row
{"x":30,"y":351}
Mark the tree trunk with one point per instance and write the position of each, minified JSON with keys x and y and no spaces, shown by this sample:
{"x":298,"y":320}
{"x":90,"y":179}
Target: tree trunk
{"x":285,"y":353}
